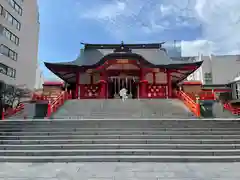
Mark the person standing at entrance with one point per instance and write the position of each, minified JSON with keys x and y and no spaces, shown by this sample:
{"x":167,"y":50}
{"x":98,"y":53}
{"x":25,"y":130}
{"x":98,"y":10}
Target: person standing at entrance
{"x":123,"y":94}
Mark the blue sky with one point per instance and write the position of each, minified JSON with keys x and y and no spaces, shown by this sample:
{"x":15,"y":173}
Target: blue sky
{"x":64,"y":25}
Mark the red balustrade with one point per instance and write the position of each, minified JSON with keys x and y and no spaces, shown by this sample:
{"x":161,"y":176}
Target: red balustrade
{"x":54,"y":104}
{"x":37,"y":97}
{"x":202,"y":96}
{"x":189,"y":102}
{"x":233,"y":110}
{"x":11,"y":111}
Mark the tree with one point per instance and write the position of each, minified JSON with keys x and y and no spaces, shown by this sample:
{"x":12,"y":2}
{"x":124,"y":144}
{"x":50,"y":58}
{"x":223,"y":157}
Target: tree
{"x":12,"y":96}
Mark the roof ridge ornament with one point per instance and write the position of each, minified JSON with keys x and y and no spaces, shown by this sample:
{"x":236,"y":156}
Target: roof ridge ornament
{"x":122,"y":48}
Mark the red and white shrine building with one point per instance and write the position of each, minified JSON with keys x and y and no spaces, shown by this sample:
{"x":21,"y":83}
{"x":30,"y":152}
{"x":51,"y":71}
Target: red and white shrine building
{"x":145,"y":70}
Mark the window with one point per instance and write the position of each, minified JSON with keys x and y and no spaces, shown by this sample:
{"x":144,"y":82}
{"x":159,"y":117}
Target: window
{"x":238,"y":90}
{"x":7,"y":70}
{"x":15,"y":6}
{"x":3,"y":69}
{"x":1,"y":9}
{"x":8,"y":52}
{"x":9,"y":35}
{"x":208,"y":78}
{"x":10,"y":18}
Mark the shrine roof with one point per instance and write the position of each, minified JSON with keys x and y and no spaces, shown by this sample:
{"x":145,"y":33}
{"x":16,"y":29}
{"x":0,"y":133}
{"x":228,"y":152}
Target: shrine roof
{"x":153,"y":53}
{"x":149,"y":55}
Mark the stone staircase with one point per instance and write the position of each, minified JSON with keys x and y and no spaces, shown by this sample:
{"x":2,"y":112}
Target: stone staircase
{"x":115,"y":108}
{"x":120,"y":141}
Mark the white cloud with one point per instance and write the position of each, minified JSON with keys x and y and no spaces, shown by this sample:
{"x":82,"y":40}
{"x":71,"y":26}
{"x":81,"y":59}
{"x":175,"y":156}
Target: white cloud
{"x":130,"y":20}
{"x":220,"y":22}
{"x":107,"y":12}
{"x":192,"y":48}
{"x":126,"y":17}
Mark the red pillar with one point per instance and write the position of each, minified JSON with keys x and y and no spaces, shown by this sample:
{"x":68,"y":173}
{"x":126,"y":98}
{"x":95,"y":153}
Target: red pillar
{"x":77,"y":85}
{"x":142,"y":86}
{"x":154,"y":77}
{"x":91,"y":79}
{"x":103,"y":85}
{"x":169,"y":84}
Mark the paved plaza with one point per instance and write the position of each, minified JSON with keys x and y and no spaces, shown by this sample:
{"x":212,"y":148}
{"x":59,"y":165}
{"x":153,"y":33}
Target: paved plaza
{"x":120,"y":171}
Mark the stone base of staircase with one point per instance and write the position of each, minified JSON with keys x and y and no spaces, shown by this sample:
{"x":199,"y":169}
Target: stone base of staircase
{"x":120,"y":141}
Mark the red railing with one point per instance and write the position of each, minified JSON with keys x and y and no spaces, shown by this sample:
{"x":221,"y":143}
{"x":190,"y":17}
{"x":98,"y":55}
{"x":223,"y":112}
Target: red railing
{"x":40,"y":97}
{"x":233,"y":110}
{"x":11,"y":111}
{"x":202,"y":96}
{"x":54,"y":104}
{"x":189,"y":102}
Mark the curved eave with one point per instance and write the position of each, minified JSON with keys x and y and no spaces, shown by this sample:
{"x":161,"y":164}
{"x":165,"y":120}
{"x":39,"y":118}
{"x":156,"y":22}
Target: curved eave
{"x":184,"y":70}
{"x":111,"y":56}
{"x":67,"y":72}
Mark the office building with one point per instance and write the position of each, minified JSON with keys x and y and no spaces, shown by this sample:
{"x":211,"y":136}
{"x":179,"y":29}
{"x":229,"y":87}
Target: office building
{"x":217,"y":69}
{"x":19,"y":29}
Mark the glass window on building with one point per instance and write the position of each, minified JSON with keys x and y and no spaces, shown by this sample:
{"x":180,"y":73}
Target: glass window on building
{"x":208,"y":78}
{"x":1,"y":9}
{"x":14,"y":73}
{"x":7,"y":33}
{"x":10,"y":71}
{"x":10,"y":19}
{"x":238,"y":90}
{"x":4,"y":50}
{"x":12,"y":2}
{"x":11,"y":54}
{"x":3,"y":69}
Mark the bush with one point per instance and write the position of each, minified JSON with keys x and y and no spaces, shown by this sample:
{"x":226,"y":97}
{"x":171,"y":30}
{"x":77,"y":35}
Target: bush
{"x":11,"y":96}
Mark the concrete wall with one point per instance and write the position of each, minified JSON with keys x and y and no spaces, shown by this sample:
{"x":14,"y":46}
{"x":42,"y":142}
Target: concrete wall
{"x":224,"y":68}
{"x":39,"y":79}
{"x":27,"y":49}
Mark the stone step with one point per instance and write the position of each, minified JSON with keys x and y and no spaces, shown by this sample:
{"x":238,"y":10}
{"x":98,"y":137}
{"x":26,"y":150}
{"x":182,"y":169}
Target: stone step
{"x":120,"y":152}
{"x":119,"y":146}
{"x":122,"y":141}
{"x":117,"y":132}
{"x":126,"y":121}
{"x":117,"y":136}
{"x":61,"y":159}
{"x":118,"y":125}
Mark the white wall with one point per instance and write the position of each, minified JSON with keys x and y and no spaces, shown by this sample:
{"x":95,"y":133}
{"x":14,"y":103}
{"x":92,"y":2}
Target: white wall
{"x":39,"y":78}
{"x":224,"y":68}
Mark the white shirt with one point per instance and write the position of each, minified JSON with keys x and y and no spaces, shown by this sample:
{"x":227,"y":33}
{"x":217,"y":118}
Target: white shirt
{"x":123,"y":92}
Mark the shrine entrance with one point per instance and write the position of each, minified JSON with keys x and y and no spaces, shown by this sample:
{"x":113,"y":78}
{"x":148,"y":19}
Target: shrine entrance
{"x":116,"y":83}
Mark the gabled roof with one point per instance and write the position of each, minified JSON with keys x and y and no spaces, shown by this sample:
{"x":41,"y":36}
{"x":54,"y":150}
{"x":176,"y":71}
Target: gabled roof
{"x":90,"y":57}
{"x":149,"y":55}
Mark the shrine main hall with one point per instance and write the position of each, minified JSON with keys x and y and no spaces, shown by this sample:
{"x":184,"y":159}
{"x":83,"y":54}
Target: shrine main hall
{"x":145,"y":70}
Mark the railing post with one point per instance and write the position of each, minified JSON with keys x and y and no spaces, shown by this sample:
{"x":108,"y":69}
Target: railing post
{"x":3,"y":114}
{"x":49,"y":111}
{"x":198,"y":113}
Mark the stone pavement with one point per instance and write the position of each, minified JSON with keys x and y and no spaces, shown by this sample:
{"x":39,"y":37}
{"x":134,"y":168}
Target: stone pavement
{"x":120,"y":171}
